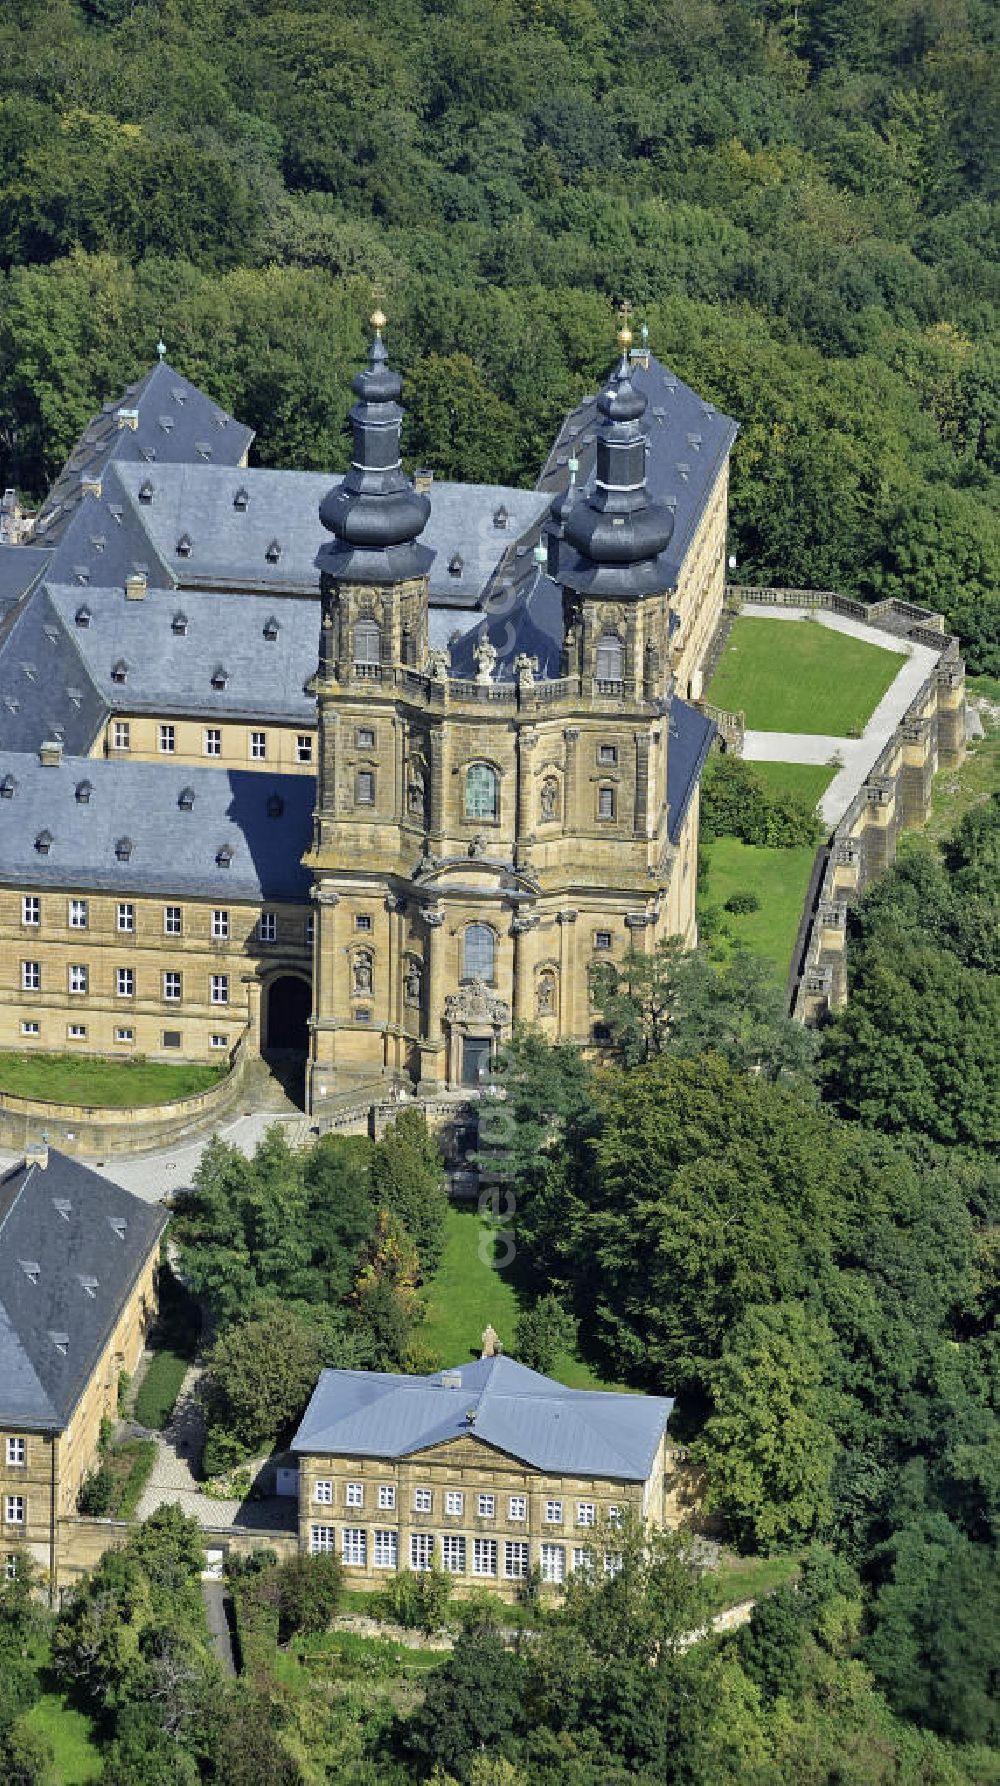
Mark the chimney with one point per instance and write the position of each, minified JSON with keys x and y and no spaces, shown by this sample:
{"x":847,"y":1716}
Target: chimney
{"x":36,"y":1153}
{"x":423,"y":480}
{"x":50,"y":753}
{"x":135,"y":586}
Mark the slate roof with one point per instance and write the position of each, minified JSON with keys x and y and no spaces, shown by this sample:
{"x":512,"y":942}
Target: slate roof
{"x":175,"y":422}
{"x":224,"y":545}
{"x":104,"y":541}
{"x":688,"y":442}
{"x":89,"y":1240}
{"x":691,"y":735}
{"x":20,"y":569}
{"x":565,"y":1431}
{"x":173,"y":850}
{"x":171,"y":672}
{"x":45,"y":689}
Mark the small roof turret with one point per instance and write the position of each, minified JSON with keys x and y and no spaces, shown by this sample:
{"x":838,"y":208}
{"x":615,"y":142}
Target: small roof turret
{"x":375,"y":515}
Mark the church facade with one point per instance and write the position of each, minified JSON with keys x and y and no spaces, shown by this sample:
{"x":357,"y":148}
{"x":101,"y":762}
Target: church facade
{"x":376,"y":802}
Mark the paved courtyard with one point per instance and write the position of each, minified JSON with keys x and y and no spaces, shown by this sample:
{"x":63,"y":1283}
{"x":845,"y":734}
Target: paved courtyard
{"x":856,"y":755}
{"x":174,"y":1483}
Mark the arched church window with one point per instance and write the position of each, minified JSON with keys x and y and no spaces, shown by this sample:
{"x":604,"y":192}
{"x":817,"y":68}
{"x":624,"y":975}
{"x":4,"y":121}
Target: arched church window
{"x":367,"y":646}
{"x":479,"y":953}
{"x":482,"y":792}
{"x":610,"y":660}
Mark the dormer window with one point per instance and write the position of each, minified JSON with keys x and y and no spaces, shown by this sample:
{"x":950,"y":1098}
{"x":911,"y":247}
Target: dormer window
{"x":124,"y":848}
{"x":83,"y":616}
{"x":500,"y":516}
{"x":63,"y":1207}
{"x":146,"y":491}
{"x":271,"y":629}
{"x":273,"y":552}
{"x":32,"y":1270}
{"x":61,"y":1343}
{"x":456,"y":565}
{"x":8,"y":788}
{"x":89,"y":1284}
{"x":179,"y":624}
{"x":275,"y":806}
{"x":119,"y":671}
{"x":224,"y":855}
{"x":82,"y":575}
{"x":203,"y":449}
{"x":241,"y":500}
{"x":43,"y":842}
{"x":166,"y":423}
{"x":220,"y":676}
{"x":118,"y":1225}
{"x":184,"y":545}
{"x":186,"y":799}
{"x":84,"y":789}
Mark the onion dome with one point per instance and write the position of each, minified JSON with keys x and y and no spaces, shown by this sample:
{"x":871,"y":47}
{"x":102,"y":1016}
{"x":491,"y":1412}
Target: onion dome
{"x":375,"y":514}
{"x":618,"y":532}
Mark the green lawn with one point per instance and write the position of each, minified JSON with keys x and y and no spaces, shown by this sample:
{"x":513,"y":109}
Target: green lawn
{"x":466,"y":1294}
{"x":744,"y":1578}
{"x":778,"y":877}
{"x":111,"y":1084}
{"x":70,"y":1732}
{"x":799,"y":676}
{"x":160,"y":1387}
{"x":809,"y":781}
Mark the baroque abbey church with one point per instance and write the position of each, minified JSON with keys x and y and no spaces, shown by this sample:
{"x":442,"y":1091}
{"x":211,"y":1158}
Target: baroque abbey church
{"x":369,"y":769}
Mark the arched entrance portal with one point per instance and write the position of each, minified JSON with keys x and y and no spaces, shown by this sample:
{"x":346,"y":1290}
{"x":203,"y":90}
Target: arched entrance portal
{"x":286,"y":1019}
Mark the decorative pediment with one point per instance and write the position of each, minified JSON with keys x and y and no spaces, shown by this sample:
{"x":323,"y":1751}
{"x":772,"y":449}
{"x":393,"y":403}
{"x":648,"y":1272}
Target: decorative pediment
{"x":477,"y":1003}
{"x":459,"y":868}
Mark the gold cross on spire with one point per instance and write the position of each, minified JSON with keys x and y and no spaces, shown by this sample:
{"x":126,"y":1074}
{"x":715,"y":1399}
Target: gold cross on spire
{"x":625,"y":333}
{"x":378,"y":314}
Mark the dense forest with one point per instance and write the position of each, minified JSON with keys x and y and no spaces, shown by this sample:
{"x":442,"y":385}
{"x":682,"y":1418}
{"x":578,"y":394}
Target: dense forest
{"x":799,"y":199}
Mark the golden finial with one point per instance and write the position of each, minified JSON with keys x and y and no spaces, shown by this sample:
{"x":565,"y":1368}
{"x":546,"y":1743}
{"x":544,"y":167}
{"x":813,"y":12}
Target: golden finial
{"x":625,"y":333}
{"x":378,"y":314}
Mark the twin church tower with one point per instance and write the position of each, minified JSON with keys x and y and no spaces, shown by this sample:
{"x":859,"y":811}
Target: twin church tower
{"x":494,"y":817}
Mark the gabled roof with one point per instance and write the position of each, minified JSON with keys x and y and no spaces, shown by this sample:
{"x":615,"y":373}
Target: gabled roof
{"x":264,"y":820}
{"x":499,"y":1402}
{"x":45,"y":689}
{"x":104,"y":541}
{"x":170,"y":671}
{"x":20,"y":569}
{"x":162,"y":418}
{"x":84,"y":1240}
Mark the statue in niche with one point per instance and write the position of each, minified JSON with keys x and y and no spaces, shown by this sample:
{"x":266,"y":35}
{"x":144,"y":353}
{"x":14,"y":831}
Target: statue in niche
{"x":549,"y":799}
{"x":411,"y":982}
{"x":546,"y":1001}
{"x":363,"y":972}
{"x":486,"y":655}
{"x":416,"y":791}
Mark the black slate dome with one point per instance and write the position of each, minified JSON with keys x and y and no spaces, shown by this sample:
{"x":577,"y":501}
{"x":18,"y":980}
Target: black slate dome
{"x":375,"y":515}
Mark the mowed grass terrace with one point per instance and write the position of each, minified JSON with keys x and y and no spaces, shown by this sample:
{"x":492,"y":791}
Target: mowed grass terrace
{"x":99,"y":1083}
{"x":801,"y":676}
{"x":779,"y":878}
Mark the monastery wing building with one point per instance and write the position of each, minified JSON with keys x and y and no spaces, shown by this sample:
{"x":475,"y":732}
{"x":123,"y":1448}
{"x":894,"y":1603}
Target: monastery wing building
{"x":368,"y":768}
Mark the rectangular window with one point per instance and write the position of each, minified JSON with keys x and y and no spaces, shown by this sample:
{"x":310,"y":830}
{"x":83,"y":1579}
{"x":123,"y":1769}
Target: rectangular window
{"x":78,"y":914}
{"x":454,"y":1501}
{"x":267,"y":927}
{"x":453,"y":1554}
{"x":212,"y":743}
{"x":171,"y":1038}
{"x":365,"y":738}
{"x":172,"y":920}
{"x":583,"y":1559}
{"x":364,"y":788}
{"x":77,"y":1032}
{"x":31,"y":1028}
{"x":126,"y":916}
{"x":304,"y":748}
{"x":605,"y":803}
{"x":124,"y":982}
{"x":554,"y":1512}
{"x":323,"y":1492}
{"x":386,"y":1495}
{"x":515,"y":1561}
{"x":124,"y":1035}
{"x":423,"y":1500}
{"x":13,"y":1510}
{"x":552,"y":1560}
{"x":486,"y":1506}
{"x":168,"y":740}
{"x":172,"y":986}
{"x":218,"y":1041}
{"x":585,"y":1513}
{"x":607,"y":753}
{"x":321,"y":1538}
{"x":612,"y":1562}
{"x":220,"y":926}
{"x":602,"y":939}
{"x":77,"y":977}
{"x":484,"y":1556}
{"x":517,"y":1507}
{"x":31,"y":909}
{"x":614,"y":1516}
{"x":363,"y":921}
{"x":385,"y":1550}
{"x":421,"y":1550}
{"x":220,"y":989}
{"x":31,"y":976}
{"x":17,"y":1453}
{"x":354,"y":1494}
{"x":10,"y":1566}
{"x":310,"y":930}
{"x":354,"y":1546}
{"x":258,"y":746}
{"x":121,"y":735}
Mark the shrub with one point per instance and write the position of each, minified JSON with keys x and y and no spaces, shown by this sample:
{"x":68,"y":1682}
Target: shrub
{"x":542,"y":1333}
{"x":417,"y":1599}
{"x":735,"y":803}
{"x":739,"y":903}
{"x":124,"y":1385}
{"x":96,"y":1493}
{"x":309,"y":1588}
